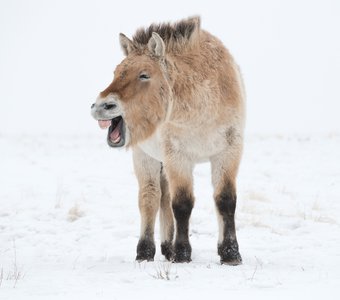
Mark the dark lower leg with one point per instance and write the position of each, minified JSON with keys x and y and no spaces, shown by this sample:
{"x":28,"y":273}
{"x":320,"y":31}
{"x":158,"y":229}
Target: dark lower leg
{"x":146,"y":246}
{"x":182,"y":205}
{"x":228,"y":246}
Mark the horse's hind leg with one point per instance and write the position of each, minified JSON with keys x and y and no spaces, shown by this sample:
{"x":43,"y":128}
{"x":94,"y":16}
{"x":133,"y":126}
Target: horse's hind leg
{"x":224,"y":169}
{"x":147,"y":171}
{"x":166,"y":219}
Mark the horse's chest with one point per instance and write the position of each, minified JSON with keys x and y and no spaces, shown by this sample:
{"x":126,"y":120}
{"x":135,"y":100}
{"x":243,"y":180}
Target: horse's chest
{"x":152,"y":146}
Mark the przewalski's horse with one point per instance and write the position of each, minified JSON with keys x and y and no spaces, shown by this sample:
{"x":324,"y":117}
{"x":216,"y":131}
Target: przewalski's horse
{"x":177,"y":99}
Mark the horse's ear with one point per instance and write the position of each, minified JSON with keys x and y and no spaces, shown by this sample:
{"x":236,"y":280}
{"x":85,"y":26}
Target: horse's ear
{"x":126,"y":44}
{"x":156,"y":45}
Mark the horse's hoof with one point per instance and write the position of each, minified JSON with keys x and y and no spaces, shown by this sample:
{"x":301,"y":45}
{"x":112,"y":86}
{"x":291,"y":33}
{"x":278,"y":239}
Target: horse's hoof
{"x":145,"y":250}
{"x":182,"y":252}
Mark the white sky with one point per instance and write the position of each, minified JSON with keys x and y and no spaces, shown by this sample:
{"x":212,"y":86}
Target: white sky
{"x":55,"y":57}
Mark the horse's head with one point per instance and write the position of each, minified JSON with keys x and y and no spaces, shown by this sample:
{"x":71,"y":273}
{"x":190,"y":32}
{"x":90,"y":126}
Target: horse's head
{"x":135,"y":103}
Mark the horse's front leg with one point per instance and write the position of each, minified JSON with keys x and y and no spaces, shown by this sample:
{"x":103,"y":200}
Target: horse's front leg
{"x":179,"y":175}
{"x":148,"y":172}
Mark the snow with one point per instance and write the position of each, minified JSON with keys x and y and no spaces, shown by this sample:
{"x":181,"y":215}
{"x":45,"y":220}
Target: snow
{"x":69,"y":223}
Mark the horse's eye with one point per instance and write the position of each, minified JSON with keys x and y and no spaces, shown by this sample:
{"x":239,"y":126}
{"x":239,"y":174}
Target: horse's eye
{"x":144,"y":77}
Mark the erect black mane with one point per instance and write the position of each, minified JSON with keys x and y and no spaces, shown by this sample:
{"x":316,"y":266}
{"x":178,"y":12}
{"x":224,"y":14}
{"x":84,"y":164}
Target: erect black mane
{"x":170,"y":33}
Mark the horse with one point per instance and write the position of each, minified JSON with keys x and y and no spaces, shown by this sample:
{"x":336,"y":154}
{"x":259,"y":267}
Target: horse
{"x":177,"y":99}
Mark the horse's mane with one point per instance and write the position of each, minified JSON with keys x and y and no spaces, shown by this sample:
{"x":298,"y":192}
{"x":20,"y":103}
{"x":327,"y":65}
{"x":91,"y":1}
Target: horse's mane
{"x":175,"y":36}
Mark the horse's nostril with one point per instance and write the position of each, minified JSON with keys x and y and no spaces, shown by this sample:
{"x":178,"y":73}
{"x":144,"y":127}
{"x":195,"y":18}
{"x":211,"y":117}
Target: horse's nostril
{"x":92,"y":106}
{"x":109,"y":106}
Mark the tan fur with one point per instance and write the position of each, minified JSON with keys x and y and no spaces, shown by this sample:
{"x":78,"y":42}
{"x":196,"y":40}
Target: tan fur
{"x":148,"y":174}
{"x":191,"y":110}
{"x":166,"y":217}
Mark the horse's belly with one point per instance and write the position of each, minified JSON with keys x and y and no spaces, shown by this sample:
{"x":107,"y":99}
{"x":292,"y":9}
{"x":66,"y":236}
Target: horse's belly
{"x":192,"y":145}
{"x":201,"y":148}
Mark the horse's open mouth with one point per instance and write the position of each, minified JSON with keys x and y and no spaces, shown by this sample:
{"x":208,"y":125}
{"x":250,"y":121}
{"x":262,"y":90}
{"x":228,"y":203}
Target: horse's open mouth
{"x":116,"y":131}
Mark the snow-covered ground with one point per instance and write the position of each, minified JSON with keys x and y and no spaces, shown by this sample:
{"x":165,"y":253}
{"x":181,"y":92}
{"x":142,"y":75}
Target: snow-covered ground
{"x":69,"y":223}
